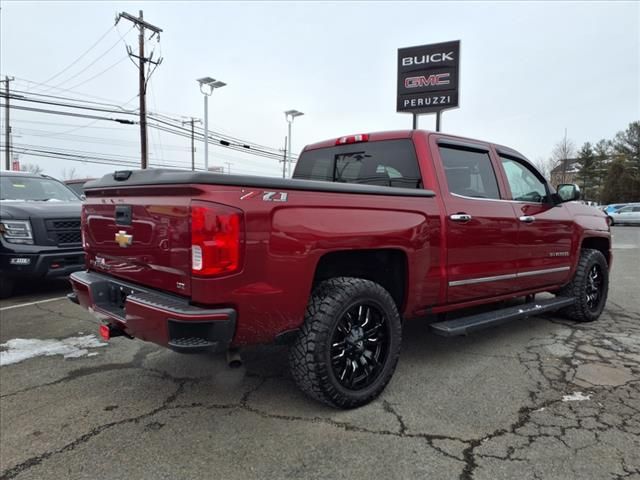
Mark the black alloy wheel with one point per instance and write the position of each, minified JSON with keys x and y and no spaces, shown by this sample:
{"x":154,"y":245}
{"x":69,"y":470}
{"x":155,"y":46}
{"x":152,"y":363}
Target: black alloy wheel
{"x":360,"y":346}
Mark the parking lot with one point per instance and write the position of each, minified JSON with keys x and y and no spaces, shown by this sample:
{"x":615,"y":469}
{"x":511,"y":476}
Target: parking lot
{"x":540,"y":398}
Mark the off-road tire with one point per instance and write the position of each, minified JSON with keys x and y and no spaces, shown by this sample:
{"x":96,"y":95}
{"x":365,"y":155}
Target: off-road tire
{"x":581,"y":311}
{"x":310,"y":355}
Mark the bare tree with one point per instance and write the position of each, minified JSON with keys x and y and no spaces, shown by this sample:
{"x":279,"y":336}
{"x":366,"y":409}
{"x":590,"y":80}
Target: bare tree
{"x":562,"y":151}
{"x":544,"y":166}
{"x":31,"y":168}
{"x":69,"y":174}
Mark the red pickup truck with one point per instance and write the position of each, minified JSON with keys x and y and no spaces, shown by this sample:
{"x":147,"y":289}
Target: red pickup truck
{"x":372,"y":230}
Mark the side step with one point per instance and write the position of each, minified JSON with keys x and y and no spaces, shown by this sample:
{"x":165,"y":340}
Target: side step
{"x":464,"y":325}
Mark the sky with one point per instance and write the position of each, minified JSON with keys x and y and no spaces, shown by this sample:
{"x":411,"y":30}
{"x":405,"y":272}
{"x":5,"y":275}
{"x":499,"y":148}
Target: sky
{"x":529,"y":70}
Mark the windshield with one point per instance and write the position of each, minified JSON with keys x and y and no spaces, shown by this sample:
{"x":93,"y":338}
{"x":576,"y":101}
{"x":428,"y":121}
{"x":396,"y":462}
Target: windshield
{"x":35,"y":189}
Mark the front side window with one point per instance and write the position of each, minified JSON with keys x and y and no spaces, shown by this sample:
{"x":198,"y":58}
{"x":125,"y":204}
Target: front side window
{"x":391,"y":163}
{"x":469,"y":172}
{"x":525,"y":185}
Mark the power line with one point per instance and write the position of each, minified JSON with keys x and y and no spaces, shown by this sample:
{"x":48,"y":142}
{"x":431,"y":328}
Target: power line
{"x":101,"y":72}
{"x":70,"y":114}
{"x":30,"y":82}
{"x":71,"y":105}
{"x":216,"y":136}
{"x":100,"y":57}
{"x":77,"y":59}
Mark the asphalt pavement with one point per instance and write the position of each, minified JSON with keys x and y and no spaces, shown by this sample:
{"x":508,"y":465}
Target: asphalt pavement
{"x":543,"y":398}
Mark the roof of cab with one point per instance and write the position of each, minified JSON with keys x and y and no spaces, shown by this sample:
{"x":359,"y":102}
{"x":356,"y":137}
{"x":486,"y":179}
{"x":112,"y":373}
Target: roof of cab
{"x":399,"y":134}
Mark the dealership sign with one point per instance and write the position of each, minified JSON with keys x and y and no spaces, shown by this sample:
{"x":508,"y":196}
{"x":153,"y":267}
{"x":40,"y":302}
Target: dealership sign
{"x":428,"y":77}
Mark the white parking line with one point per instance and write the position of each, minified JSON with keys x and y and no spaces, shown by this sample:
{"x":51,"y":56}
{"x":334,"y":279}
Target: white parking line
{"x":31,"y":303}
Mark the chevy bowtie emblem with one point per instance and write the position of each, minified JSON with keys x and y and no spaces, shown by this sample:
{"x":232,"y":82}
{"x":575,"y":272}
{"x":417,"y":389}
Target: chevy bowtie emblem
{"x":123,"y":239}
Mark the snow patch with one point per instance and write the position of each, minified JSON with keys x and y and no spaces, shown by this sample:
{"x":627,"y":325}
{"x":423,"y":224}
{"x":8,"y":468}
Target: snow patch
{"x":576,"y":397}
{"x":20,"y":349}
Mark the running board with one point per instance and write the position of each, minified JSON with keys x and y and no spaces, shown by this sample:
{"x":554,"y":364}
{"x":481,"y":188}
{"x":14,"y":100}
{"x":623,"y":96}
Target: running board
{"x":464,"y":325}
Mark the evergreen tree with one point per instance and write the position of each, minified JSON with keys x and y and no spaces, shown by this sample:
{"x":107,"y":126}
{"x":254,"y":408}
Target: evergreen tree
{"x":626,"y":144}
{"x":587,"y":175}
{"x":602,"y":157}
{"x":626,"y":149}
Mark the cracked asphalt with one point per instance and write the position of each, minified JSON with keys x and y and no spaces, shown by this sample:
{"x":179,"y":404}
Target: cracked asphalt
{"x":498,"y":404}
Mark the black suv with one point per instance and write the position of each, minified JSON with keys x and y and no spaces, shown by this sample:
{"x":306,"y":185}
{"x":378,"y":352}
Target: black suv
{"x":39,"y":229}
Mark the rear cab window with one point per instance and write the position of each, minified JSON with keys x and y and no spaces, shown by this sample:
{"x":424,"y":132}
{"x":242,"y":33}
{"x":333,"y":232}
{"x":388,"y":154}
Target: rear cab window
{"x":390,"y":163}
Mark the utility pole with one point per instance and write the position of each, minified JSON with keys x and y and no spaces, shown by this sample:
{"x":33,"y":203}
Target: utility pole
{"x":284,"y":159}
{"x":142,"y":76}
{"x":193,"y":145}
{"x":7,"y":125}
{"x":228,"y":164}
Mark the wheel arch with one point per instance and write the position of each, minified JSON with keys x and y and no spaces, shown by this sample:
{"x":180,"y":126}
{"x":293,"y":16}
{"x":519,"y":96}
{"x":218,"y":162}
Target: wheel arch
{"x":602,"y":244}
{"x":387,"y":267}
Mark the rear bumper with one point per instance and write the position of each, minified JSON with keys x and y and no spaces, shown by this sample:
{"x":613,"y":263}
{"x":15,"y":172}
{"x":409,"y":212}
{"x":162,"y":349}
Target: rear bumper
{"x":153,"y":316}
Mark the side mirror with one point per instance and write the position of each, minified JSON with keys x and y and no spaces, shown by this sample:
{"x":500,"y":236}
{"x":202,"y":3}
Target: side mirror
{"x":83,"y":197}
{"x":568,"y":192}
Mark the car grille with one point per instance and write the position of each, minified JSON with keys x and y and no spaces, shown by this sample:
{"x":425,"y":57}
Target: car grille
{"x":64,"y":231}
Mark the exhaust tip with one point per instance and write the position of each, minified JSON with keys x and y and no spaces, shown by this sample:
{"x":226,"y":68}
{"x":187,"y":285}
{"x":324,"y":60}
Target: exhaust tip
{"x":234,"y":360}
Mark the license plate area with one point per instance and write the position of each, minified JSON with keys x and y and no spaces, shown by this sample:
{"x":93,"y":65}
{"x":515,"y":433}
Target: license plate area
{"x":111,"y":297}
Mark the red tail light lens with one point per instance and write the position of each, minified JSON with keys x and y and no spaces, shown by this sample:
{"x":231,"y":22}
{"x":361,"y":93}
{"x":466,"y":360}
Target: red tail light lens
{"x":216,"y":239}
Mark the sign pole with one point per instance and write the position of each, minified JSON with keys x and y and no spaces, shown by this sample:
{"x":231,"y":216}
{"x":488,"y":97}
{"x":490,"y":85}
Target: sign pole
{"x":438,"y":120}
{"x":415,"y":121}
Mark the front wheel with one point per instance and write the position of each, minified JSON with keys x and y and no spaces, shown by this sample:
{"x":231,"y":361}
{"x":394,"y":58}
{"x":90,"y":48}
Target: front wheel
{"x":349,"y":344}
{"x":589,"y":287}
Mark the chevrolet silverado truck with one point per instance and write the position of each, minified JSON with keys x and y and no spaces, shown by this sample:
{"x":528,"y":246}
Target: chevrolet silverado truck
{"x":373,"y":229}
{"x":39,"y":229}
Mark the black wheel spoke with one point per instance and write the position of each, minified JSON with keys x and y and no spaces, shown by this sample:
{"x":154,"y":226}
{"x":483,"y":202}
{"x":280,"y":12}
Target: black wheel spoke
{"x":593,"y":287}
{"x":360,"y":345}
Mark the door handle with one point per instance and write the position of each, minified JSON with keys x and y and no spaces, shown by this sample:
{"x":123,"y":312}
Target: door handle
{"x":527,"y":219}
{"x":460,"y":217}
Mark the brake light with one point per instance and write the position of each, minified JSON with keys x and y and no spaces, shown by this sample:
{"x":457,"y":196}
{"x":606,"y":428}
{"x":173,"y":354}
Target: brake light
{"x":216,"y":237}
{"x":363,"y":137}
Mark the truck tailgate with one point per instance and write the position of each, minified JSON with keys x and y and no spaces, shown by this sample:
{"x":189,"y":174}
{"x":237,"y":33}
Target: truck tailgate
{"x":144,"y":238}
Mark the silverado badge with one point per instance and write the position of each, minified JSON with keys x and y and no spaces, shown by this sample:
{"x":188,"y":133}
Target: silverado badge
{"x":123,"y":239}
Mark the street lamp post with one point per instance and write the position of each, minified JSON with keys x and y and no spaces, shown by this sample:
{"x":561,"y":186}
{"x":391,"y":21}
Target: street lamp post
{"x":207,"y":86}
{"x":290,"y":115}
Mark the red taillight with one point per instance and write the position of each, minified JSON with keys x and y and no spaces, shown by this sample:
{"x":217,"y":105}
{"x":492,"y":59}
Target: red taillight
{"x":216,"y":237}
{"x":363,"y":137}
{"x":105,"y":332}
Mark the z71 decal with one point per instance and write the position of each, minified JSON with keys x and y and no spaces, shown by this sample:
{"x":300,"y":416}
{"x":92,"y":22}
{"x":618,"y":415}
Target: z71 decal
{"x":266,"y":196}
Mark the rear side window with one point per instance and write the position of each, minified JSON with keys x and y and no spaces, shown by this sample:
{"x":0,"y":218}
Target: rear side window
{"x":469,"y":172}
{"x":390,"y":163}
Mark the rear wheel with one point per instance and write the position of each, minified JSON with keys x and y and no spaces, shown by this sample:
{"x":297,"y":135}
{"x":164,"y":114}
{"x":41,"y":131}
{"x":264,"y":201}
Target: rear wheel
{"x":348,"y":347}
{"x":589,"y":287}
